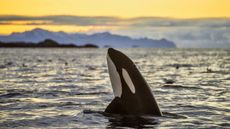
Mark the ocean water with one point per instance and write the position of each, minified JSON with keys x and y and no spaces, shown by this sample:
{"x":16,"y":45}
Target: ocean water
{"x":70,"y":88}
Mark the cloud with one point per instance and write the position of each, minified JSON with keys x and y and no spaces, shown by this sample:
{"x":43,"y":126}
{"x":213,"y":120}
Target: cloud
{"x":64,"y":20}
{"x":172,"y":22}
{"x":202,"y":32}
{"x":117,"y":21}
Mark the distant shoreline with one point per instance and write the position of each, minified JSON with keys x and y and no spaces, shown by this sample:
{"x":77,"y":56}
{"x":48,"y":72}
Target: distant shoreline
{"x":48,"y":43}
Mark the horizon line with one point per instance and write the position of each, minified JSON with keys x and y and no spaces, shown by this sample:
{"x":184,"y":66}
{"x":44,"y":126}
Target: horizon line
{"x":119,"y":17}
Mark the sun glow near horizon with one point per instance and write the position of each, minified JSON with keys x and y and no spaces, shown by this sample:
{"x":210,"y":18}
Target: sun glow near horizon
{"x":120,"y":8}
{"x":181,"y":9}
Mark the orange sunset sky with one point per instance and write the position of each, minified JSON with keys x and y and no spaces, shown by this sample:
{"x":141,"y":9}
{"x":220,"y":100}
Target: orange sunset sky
{"x":181,"y":9}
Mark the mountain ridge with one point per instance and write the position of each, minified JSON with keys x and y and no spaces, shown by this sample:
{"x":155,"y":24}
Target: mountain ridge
{"x":102,"y":39}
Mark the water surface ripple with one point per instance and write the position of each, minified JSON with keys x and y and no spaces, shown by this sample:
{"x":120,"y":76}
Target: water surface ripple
{"x":70,"y":88}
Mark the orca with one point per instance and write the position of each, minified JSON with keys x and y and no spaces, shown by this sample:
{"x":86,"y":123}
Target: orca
{"x":132,"y":93}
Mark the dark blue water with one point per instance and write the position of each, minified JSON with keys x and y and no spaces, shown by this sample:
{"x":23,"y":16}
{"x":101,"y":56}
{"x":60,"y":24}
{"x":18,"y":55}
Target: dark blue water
{"x":70,"y":88}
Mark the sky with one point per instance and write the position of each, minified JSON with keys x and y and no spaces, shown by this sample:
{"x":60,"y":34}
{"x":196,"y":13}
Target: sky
{"x":121,"y":8}
{"x":182,"y":21}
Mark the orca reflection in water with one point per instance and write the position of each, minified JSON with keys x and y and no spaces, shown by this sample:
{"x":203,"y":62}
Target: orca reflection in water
{"x":132,"y":93}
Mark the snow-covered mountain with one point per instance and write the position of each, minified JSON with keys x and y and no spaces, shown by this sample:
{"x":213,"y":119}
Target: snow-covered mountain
{"x":104,"y":39}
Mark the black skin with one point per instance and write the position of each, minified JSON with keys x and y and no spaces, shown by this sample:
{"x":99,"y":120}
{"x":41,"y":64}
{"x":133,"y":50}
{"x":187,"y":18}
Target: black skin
{"x":142,"y":102}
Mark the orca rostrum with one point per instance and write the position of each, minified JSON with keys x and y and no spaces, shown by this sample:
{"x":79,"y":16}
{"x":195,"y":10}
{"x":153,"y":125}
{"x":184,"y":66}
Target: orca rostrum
{"x":132,"y":93}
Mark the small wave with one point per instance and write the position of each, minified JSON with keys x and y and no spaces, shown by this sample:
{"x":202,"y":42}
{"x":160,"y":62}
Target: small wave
{"x":180,"y":65}
{"x":91,"y":93}
{"x":65,"y":87}
{"x":227,"y":125}
{"x":55,"y":105}
{"x":10,"y":63}
{"x":178,"y":86}
{"x":39,"y":122}
{"x":88,"y":111}
{"x":2,"y":66}
{"x":173,"y":115}
{"x":11,"y":95}
{"x":217,"y":72}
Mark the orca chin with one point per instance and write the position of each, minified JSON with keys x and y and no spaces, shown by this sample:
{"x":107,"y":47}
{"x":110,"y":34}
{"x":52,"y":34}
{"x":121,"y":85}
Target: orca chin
{"x":132,"y":93}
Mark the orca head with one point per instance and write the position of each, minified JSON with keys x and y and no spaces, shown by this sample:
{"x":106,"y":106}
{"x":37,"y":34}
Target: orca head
{"x":119,"y":66}
{"x":131,"y":91}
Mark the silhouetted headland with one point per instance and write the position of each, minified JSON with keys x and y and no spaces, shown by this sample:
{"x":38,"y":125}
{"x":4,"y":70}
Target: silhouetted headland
{"x":48,"y":43}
